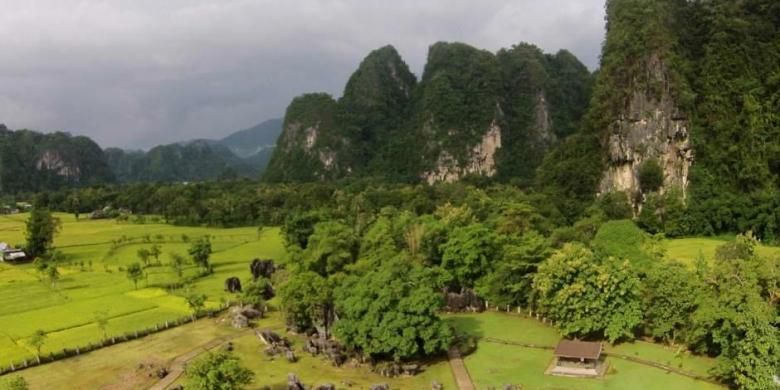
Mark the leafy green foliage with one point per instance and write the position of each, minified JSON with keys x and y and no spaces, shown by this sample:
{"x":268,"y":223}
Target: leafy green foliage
{"x":651,"y":176}
{"x":306,"y":299}
{"x":735,"y":321}
{"x":135,"y":273}
{"x":624,"y":240}
{"x":469,"y":253}
{"x":41,"y":227}
{"x":31,"y":161}
{"x":218,"y":371}
{"x":16,"y":382}
{"x":510,"y":279}
{"x":671,"y":293}
{"x":36,"y":341}
{"x":589,"y":296}
{"x":200,"y":251}
{"x":391,"y":312}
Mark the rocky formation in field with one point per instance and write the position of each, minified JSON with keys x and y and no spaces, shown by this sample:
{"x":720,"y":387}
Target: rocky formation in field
{"x":472,"y":113}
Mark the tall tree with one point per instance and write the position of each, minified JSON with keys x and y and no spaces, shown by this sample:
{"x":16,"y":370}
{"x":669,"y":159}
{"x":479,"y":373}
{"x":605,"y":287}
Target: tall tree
{"x":135,"y":273}
{"x":391,"y":312}
{"x":41,"y":227}
{"x":200,"y":251}
{"x":218,"y":371}
{"x":589,"y":296}
{"x":36,"y":341}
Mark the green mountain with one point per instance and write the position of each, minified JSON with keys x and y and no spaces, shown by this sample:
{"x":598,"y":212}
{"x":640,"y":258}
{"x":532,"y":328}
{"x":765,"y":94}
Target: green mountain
{"x":472,"y":113}
{"x":255,"y":143}
{"x":193,"y":161}
{"x":32,"y":161}
{"x":685,"y":104}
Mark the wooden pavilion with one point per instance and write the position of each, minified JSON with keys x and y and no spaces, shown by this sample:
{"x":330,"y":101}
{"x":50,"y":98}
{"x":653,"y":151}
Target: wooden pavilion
{"x":578,"y":358}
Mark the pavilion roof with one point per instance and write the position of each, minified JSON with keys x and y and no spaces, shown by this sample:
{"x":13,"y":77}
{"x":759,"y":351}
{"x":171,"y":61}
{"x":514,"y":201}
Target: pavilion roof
{"x":573,"y":349}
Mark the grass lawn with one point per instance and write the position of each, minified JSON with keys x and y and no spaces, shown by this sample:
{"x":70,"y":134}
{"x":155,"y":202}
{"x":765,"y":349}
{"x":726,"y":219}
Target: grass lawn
{"x":687,"y":250}
{"x":497,"y":364}
{"x":92,"y":279}
{"x":116,"y":367}
{"x":316,"y":371}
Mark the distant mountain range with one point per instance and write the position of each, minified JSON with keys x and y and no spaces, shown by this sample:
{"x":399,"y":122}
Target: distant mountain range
{"x":34,"y":161}
{"x":243,"y":153}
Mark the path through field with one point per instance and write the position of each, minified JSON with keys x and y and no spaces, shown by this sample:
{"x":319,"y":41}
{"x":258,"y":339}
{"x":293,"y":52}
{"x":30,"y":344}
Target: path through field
{"x":459,"y":371}
{"x":176,"y":368}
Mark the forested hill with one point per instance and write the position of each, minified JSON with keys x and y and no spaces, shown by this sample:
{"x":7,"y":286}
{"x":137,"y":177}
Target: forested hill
{"x":244,"y":153}
{"x":31,"y":161}
{"x":473,"y":112}
{"x":683,"y":110}
{"x":192,"y":161}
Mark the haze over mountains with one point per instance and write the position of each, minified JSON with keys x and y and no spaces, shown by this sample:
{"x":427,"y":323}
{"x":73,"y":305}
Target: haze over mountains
{"x":34,"y":161}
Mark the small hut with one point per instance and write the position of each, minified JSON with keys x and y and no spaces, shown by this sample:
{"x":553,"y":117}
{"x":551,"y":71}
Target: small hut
{"x":578,"y":358}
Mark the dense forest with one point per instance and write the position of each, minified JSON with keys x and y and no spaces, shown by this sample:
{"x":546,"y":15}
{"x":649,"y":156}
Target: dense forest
{"x":398,"y":246}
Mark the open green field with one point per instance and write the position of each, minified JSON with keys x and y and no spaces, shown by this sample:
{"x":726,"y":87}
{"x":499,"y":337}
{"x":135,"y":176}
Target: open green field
{"x":687,"y":250}
{"x":92,"y":280}
{"x":495,"y":364}
{"x":117,"y":367}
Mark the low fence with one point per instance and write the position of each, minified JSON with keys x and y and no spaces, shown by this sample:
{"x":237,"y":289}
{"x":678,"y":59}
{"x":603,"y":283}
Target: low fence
{"x":16,"y":366}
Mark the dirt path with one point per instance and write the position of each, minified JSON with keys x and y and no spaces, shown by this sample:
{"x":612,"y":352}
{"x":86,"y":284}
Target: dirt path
{"x":462,"y":377}
{"x":176,"y":368}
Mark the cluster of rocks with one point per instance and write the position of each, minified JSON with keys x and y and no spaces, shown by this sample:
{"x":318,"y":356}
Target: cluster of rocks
{"x":277,"y":345}
{"x":262,"y":268}
{"x":317,"y":345}
{"x":154,"y":372}
{"x":392,"y":370}
{"x":233,"y":285}
{"x":240,"y":315}
{"x":294,"y":383}
{"x":464,"y":300}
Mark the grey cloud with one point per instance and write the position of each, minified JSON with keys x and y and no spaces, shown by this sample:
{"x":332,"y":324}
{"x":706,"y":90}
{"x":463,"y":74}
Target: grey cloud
{"x":136,"y":73}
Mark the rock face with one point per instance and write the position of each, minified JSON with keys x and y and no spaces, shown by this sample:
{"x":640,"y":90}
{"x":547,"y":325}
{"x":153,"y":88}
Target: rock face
{"x":32,"y":161}
{"x":481,"y":161}
{"x":651,"y":128}
{"x":473,"y":112}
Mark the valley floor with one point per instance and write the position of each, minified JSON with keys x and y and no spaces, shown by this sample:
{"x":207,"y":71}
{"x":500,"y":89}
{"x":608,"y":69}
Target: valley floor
{"x":92,"y":279}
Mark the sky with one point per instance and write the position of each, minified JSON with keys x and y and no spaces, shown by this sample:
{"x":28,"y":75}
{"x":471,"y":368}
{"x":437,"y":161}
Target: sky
{"x":137,"y":73}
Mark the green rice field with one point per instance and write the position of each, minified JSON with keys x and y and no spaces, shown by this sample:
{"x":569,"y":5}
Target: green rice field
{"x":92,"y":279}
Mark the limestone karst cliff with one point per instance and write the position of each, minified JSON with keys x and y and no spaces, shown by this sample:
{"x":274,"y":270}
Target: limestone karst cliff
{"x":32,"y":161}
{"x":473,"y":112}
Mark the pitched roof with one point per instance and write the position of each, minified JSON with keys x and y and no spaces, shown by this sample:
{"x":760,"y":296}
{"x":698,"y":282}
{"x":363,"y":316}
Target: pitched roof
{"x":578,"y":349}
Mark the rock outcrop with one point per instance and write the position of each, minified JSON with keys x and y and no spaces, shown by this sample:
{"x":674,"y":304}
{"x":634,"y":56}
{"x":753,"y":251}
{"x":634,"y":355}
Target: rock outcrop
{"x":473,"y":113}
{"x":481,"y":161}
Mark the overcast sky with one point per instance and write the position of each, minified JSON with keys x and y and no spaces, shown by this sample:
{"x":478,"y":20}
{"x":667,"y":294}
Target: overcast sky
{"x":136,"y":73}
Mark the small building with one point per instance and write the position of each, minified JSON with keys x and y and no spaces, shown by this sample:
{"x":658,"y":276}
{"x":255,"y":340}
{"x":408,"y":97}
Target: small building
{"x":9,"y":254}
{"x":578,"y":358}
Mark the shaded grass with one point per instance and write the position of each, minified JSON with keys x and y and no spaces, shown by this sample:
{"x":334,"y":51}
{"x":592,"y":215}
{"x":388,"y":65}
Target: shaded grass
{"x":497,"y":364}
{"x":687,"y":250}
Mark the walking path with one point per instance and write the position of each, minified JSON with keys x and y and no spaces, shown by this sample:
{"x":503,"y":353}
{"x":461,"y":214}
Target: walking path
{"x":462,"y":377}
{"x":176,"y":368}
